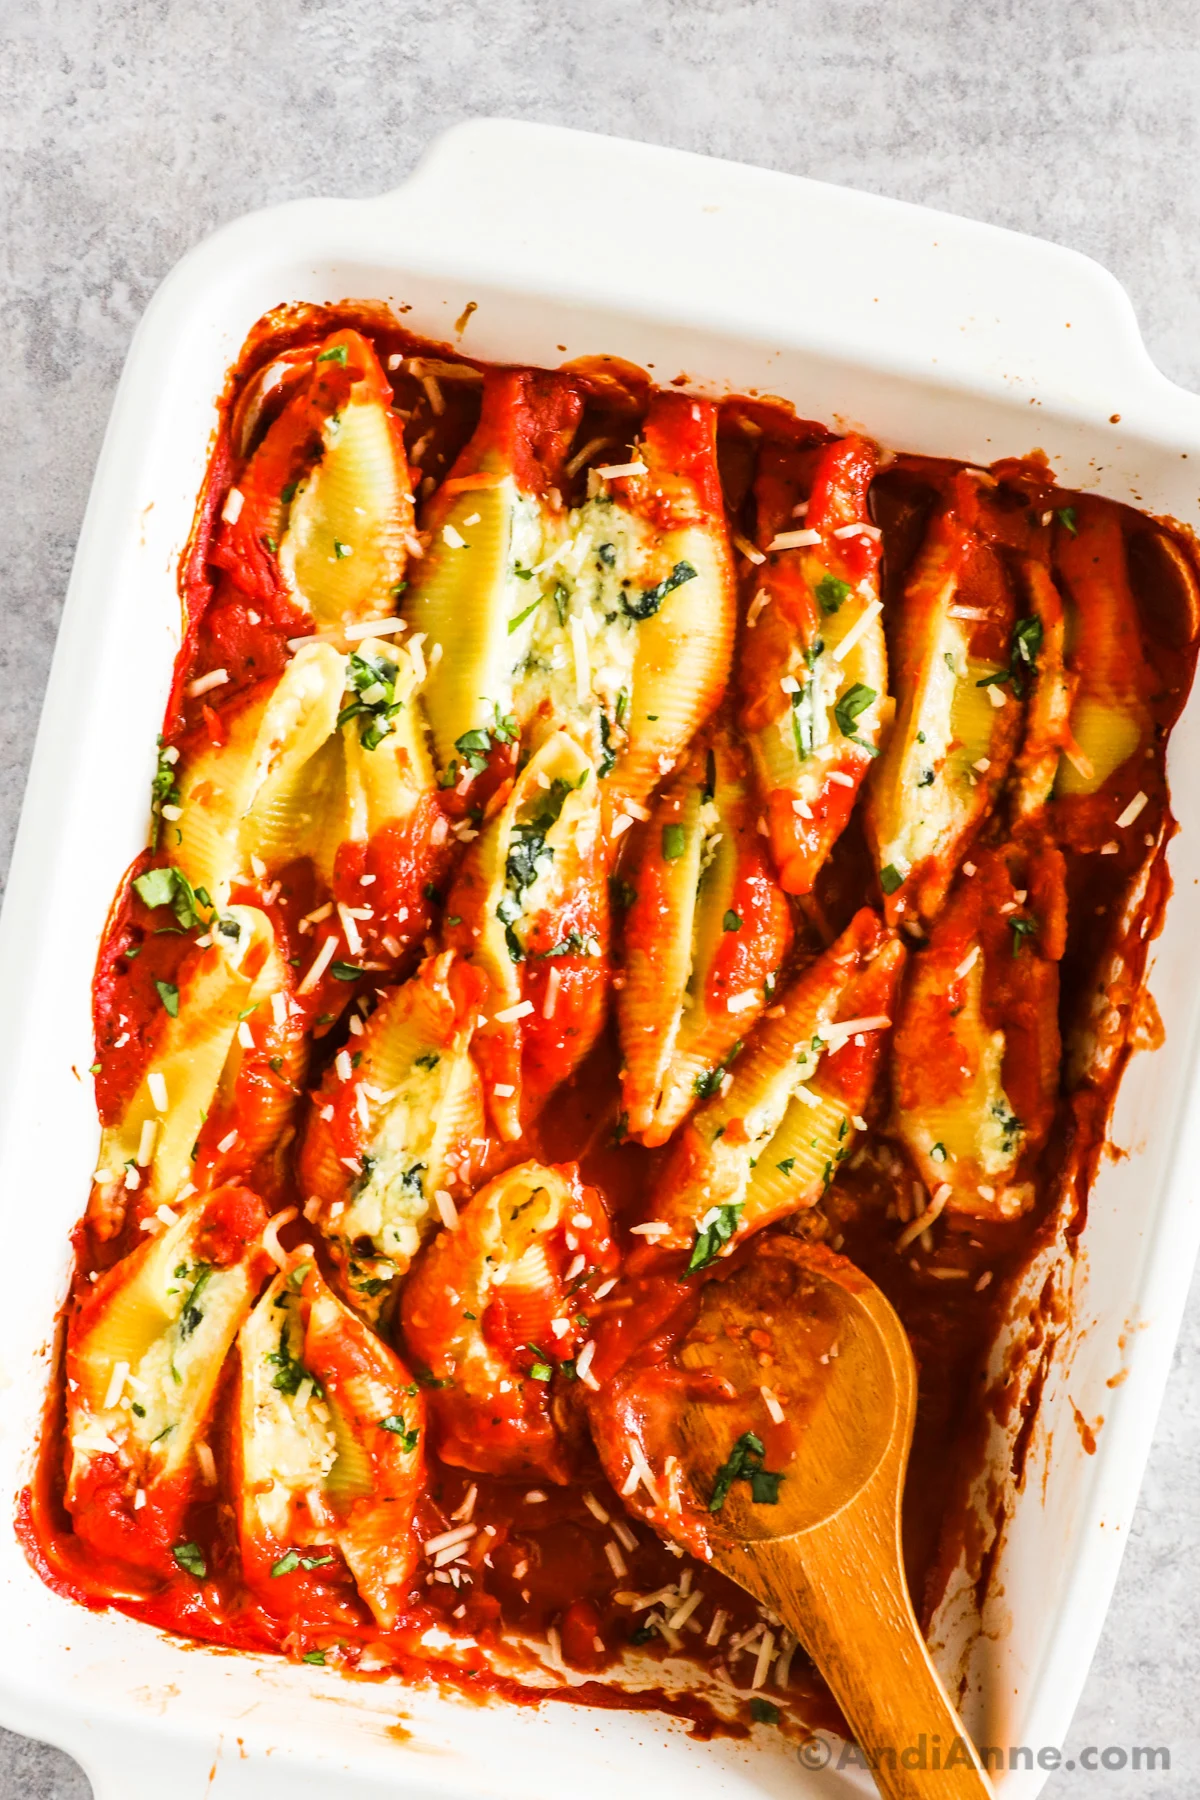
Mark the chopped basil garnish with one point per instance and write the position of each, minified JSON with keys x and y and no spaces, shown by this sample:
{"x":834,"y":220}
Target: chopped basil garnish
{"x":1022,"y":657}
{"x":745,"y":1463}
{"x":293,"y":1560}
{"x":672,"y":842}
{"x":709,"y":1083}
{"x":890,"y":878}
{"x":346,"y":971}
{"x":1021,"y":929}
{"x":803,"y":724}
{"x":642,"y":605}
{"x":191,"y":1558}
{"x":396,"y":1425}
{"x":191,"y":1314}
{"x":372,"y":679}
{"x":831,"y":592}
{"x":515,"y":624}
{"x":336,"y":355}
{"x":1067,"y":515}
{"x":763,"y":1712}
{"x":171,"y":887}
{"x":854,"y":701}
{"x":715,"y":1235}
{"x":732,"y":921}
{"x":168,"y":993}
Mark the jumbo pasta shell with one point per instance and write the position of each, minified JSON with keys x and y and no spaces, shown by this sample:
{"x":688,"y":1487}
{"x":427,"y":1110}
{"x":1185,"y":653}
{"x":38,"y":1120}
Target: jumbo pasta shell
{"x":254,"y":794}
{"x":346,"y":545}
{"x":190,"y":1057}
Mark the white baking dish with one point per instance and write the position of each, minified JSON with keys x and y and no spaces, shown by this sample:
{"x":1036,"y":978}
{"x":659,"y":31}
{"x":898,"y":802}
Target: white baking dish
{"x":931,"y":333}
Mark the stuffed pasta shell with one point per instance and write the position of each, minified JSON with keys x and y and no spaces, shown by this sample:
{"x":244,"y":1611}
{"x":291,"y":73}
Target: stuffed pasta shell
{"x":630,"y":644}
{"x":145,"y":1349}
{"x":977,"y":1048}
{"x":328,"y":1452}
{"x":955,"y":642}
{"x":529,"y":908}
{"x":1110,"y":718}
{"x":494,"y":1310}
{"x":1040,"y":669}
{"x":208,"y":1071}
{"x":786,"y":1112}
{"x":319,"y":764}
{"x":322,"y":512}
{"x":394,"y":1125}
{"x":491,"y":524}
{"x":814,"y":661}
{"x":271,"y":790}
{"x":705,"y":934}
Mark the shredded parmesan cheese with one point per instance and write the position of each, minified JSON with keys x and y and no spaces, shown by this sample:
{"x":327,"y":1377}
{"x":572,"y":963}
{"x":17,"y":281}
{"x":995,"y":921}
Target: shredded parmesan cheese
{"x":933,"y":1211}
{"x":270,"y":1237}
{"x":511,"y":1014}
{"x":1133,"y":811}
{"x":204,"y":684}
{"x":320,"y":963}
{"x":863,"y":623}
{"x":793,"y":540}
{"x":612,"y":471}
{"x":366,"y":628}
{"x":749,"y":551}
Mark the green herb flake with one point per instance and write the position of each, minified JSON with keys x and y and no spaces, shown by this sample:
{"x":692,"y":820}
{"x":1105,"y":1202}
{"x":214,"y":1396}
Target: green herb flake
{"x":171,"y":887}
{"x":672,"y":842}
{"x":711,"y":1240}
{"x":340,"y":550}
{"x":745,"y":1463}
{"x":515,"y":624}
{"x":787,"y":1165}
{"x":890,"y":878}
{"x":709,"y":1083}
{"x":853,"y":702}
{"x":1068,"y":517}
{"x":732,"y":921}
{"x":191,"y":1558}
{"x":1021,"y":929}
{"x":763,"y":1712}
{"x":336,"y":355}
{"x":642,"y":605}
{"x":396,"y":1425}
{"x":168,"y":993}
{"x":315,"y":1657}
{"x":372,"y":682}
{"x":831,"y":593}
{"x":346,"y":971}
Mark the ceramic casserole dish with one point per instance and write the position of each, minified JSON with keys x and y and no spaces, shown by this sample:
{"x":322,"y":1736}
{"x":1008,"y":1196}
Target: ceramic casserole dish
{"x":924,"y":331}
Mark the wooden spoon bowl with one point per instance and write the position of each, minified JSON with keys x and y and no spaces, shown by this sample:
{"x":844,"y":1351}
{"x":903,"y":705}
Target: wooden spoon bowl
{"x":806,"y":1514}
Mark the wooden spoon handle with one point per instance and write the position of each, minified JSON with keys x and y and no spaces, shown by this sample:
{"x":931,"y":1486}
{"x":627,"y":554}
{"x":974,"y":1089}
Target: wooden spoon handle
{"x":833,"y":1587}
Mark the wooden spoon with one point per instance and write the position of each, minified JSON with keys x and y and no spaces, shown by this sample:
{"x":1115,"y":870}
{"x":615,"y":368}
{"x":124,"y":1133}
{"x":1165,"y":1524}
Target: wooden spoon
{"x":825,"y":1553}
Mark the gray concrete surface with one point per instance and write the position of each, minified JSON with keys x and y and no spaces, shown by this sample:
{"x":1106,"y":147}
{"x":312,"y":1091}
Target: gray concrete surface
{"x":130,"y":128}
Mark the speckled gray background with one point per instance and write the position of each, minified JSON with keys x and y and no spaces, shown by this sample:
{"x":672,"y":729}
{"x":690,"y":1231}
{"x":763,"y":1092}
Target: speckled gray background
{"x":130,"y":128}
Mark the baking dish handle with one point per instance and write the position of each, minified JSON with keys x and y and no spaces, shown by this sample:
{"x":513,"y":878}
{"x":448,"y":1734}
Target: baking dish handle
{"x":601,"y":221}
